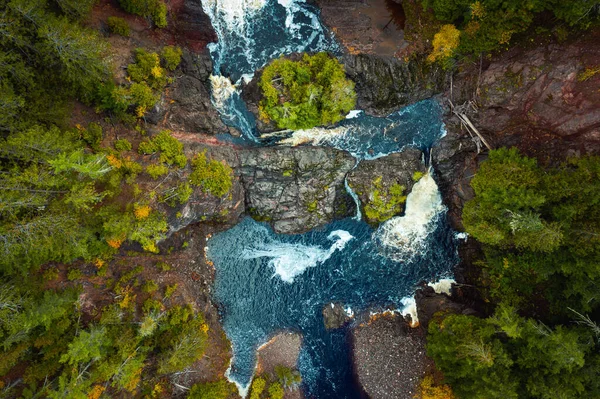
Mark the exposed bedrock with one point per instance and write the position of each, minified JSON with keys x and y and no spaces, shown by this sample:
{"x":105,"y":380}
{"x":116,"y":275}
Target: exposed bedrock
{"x":532,"y":99}
{"x":373,"y":182}
{"x":384,"y":84}
{"x":296,"y":189}
{"x":282,"y":349}
{"x":193,"y":26}
{"x":335,"y":316}
{"x":187,"y":105}
{"x":389,"y":357}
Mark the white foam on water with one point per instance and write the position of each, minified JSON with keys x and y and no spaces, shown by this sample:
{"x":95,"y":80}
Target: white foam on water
{"x":290,"y":260}
{"x":354,"y":114}
{"x":314,"y":136}
{"x":403,"y":237}
{"x":243,"y":390}
{"x":442,"y":286}
{"x":233,"y":13}
{"x":349,"y":312}
{"x":222,"y":90}
{"x":410,"y":309}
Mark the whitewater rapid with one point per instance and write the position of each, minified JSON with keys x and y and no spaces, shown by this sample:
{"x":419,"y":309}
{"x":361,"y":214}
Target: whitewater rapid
{"x":404,"y":237}
{"x":290,"y":260}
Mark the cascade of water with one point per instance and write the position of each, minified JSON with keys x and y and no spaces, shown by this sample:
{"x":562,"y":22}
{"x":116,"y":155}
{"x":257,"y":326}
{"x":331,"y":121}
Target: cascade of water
{"x":403,"y":237}
{"x":349,"y":190}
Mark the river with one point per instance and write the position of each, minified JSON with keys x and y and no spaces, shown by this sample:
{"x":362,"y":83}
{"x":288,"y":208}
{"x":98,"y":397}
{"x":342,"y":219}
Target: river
{"x":267,"y":282}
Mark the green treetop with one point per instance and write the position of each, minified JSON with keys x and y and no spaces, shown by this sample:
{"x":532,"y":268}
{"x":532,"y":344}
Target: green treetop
{"x":303,"y":94}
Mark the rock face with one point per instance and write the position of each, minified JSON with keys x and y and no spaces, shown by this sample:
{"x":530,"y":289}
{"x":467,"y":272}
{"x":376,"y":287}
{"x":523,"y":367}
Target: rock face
{"x":203,"y":207}
{"x":295,"y":188}
{"x":193,"y":26}
{"x":334,"y":316}
{"x":365,"y":26}
{"x":384,"y":84}
{"x":372,"y":179}
{"x":530,"y":99}
{"x":429,"y":303}
{"x":389,"y":358}
{"x":281,"y":350}
{"x":455,"y":161}
{"x":190,"y":108}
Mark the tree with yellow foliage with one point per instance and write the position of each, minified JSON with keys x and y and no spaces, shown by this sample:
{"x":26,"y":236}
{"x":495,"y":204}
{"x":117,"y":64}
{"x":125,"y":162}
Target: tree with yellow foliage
{"x":444,"y":43}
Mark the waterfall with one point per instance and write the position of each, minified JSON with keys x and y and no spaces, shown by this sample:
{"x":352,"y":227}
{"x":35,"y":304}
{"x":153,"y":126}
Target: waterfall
{"x":403,"y":237}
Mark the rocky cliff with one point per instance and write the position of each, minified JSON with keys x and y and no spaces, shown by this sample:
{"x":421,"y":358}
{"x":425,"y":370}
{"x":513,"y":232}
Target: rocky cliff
{"x":296,"y":189}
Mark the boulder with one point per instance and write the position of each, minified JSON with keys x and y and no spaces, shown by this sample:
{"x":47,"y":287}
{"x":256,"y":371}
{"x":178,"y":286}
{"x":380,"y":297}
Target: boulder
{"x":335,"y":316}
{"x":296,"y":188}
{"x":372,"y":179}
{"x":389,"y":357}
{"x":281,"y":350}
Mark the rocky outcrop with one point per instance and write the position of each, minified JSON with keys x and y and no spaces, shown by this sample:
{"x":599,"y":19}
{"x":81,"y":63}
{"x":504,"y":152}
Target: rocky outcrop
{"x":295,"y":188}
{"x":281,"y":350}
{"x":389,"y":357}
{"x":372,"y":180}
{"x":531,"y":99}
{"x":455,"y":161}
{"x":335,"y":316}
{"x":365,"y":26}
{"x":193,"y":26}
{"x":201,"y":207}
{"x":188,"y":105}
{"x":384,"y":84}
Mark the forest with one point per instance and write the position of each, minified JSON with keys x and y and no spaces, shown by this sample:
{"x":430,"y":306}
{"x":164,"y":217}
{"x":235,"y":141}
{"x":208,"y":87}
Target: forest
{"x":83,"y":216}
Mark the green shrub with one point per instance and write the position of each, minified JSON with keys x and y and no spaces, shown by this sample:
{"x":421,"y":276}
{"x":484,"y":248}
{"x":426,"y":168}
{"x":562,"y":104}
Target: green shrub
{"x":142,"y":97}
{"x":74,"y":274}
{"x":257,"y":387}
{"x":93,"y":135}
{"x":275,"y":391}
{"x":306,"y":93}
{"x":212,"y":176}
{"x":180,"y":194}
{"x":155,"y":171}
{"x":287,"y":377}
{"x":171,"y":56}
{"x":154,"y":9}
{"x":150,"y":286}
{"x":170,"y":290}
{"x":384,"y":202}
{"x":118,"y":26}
{"x":212,"y":390}
{"x":122,"y":145}
{"x":147,"y":69}
{"x":171,"y":150}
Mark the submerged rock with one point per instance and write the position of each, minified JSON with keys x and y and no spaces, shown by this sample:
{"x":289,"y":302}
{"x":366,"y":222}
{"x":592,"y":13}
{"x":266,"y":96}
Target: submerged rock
{"x":389,"y":357}
{"x":335,"y":316}
{"x":373,"y":182}
{"x":296,"y":188}
{"x":384,"y":84}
